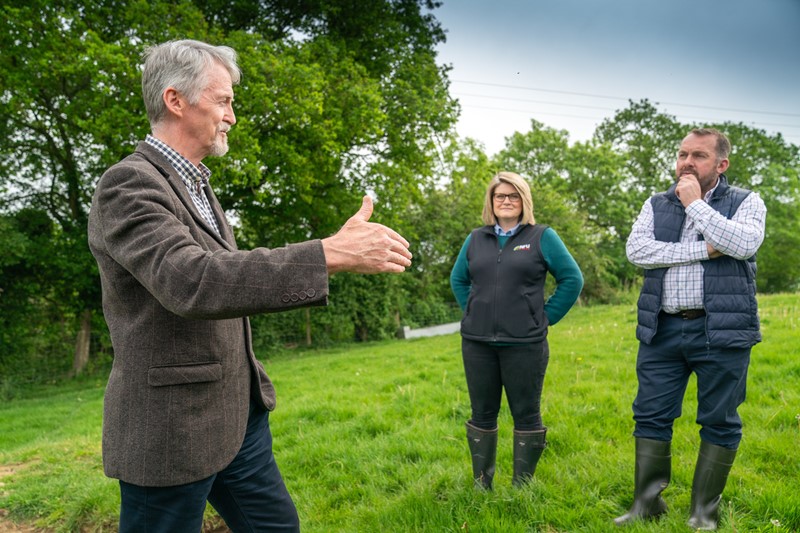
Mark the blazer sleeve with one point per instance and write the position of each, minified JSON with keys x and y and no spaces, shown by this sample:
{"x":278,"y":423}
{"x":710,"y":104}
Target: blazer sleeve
{"x":140,"y":225}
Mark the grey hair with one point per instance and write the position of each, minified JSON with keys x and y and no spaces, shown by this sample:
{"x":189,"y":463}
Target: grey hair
{"x":182,"y":65}
{"x":522,"y":187}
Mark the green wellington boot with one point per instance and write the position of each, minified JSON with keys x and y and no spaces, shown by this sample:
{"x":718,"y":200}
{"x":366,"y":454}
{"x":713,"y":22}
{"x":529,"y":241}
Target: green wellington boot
{"x":528,"y":448}
{"x":483,"y":448}
{"x":710,"y":476}
{"x":651,"y":477}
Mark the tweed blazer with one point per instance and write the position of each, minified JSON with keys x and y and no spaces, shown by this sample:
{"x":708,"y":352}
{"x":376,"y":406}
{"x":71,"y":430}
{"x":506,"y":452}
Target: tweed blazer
{"x":176,"y":296}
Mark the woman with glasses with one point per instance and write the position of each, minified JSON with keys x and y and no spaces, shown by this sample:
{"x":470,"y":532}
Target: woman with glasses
{"x":498,"y":280}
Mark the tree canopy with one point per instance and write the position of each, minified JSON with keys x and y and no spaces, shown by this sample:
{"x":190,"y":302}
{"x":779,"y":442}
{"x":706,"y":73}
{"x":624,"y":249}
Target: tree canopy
{"x":338,"y":98}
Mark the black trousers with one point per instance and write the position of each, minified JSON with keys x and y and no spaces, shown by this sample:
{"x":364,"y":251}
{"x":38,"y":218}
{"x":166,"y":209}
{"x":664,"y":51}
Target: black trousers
{"x":518,"y":368}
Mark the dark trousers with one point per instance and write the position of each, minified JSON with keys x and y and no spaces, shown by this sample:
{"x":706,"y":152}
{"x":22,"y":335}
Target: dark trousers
{"x":249,"y":494}
{"x":519,"y":369}
{"x":663,"y":368}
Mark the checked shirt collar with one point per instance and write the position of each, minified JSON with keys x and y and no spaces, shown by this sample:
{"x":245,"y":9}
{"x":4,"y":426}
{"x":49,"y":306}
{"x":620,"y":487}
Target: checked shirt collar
{"x":195,"y":178}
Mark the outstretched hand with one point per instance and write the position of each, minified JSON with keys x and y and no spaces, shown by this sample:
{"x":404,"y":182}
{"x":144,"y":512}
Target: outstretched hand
{"x":365,"y":247}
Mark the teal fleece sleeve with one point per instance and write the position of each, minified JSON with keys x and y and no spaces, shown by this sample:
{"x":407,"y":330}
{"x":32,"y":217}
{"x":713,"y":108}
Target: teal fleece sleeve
{"x":568,"y":276}
{"x":459,"y":276}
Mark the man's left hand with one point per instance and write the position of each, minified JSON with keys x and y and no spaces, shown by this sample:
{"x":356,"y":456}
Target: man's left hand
{"x":713,"y":253}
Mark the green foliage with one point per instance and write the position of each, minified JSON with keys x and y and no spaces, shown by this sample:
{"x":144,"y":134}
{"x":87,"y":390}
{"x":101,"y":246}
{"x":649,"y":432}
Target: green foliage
{"x":768,"y":165}
{"x":70,"y":106}
{"x":370,"y":437}
{"x":573,"y":192}
{"x":355,"y":105}
{"x":26,"y":269}
{"x":439,"y":223}
{"x":303,"y":110}
{"x":361,"y":308}
{"x":334,"y":103}
{"x":339,"y":98}
{"x":649,"y":140}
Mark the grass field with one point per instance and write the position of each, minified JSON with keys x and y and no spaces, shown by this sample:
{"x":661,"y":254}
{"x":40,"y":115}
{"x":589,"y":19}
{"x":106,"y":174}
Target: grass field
{"x":370,"y":438}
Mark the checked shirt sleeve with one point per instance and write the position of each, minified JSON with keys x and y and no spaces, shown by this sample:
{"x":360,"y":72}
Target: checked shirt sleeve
{"x":645,"y":251}
{"x":739,"y":237}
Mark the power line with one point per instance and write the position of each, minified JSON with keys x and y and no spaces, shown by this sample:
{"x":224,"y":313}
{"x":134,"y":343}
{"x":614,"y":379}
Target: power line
{"x":573,"y":93}
{"x":599,"y":119}
{"x":492,"y":97}
{"x":473,"y":106}
{"x":532,"y":112}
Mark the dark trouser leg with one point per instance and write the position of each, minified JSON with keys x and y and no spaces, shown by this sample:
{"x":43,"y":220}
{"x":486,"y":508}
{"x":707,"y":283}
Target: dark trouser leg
{"x":163,"y":509}
{"x":663,"y":374}
{"x":721,"y":388}
{"x":652,"y":475}
{"x":484,"y":382}
{"x":523,"y":369}
{"x":482,"y":371}
{"x":248,"y":494}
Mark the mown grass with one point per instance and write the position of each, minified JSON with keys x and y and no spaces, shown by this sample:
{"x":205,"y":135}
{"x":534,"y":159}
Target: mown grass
{"x":370,"y":438}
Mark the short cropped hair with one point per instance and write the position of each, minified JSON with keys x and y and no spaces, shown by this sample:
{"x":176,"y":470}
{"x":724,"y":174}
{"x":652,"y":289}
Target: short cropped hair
{"x":522,"y":187}
{"x":723,"y":144}
{"x":182,"y":65}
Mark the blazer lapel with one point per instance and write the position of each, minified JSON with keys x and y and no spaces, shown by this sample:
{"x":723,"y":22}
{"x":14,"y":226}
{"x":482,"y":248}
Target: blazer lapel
{"x":222,"y":220}
{"x":175,"y":181}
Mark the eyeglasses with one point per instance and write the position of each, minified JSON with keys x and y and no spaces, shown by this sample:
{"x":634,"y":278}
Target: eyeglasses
{"x":514,"y":197}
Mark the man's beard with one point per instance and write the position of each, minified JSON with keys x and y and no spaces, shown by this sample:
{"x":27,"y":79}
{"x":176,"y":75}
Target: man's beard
{"x":706,"y":181}
{"x":220,"y":146}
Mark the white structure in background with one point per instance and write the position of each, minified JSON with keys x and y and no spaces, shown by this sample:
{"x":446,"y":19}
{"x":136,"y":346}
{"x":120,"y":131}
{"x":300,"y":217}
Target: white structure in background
{"x":442,"y":329}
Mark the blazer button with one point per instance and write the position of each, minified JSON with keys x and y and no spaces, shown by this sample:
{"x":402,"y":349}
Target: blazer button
{"x":303,"y":295}
{"x":286,"y":298}
{"x":295,"y":297}
{"x":311,"y":293}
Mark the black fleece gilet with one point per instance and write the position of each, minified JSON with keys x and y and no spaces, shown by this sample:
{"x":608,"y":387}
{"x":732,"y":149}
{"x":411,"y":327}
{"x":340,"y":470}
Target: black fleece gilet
{"x":506,"y":300}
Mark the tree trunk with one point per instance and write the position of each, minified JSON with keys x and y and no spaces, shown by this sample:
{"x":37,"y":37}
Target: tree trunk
{"x":82,"y":343}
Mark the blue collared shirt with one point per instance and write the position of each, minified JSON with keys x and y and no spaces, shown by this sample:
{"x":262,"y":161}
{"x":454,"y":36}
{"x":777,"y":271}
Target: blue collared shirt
{"x":500,"y":232}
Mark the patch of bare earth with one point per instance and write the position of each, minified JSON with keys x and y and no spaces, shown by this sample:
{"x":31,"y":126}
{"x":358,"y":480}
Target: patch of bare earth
{"x":6,"y":524}
{"x":212,"y":525}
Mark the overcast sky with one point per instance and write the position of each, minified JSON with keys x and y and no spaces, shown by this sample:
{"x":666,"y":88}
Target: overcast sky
{"x":572,"y":63}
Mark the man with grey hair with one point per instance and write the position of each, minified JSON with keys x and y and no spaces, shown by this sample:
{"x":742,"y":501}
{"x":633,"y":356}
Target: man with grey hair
{"x":186,"y":411}
{"x":698,"y":314}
